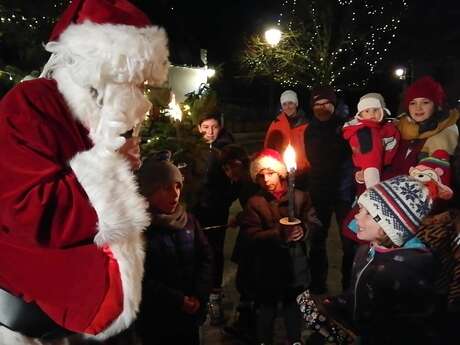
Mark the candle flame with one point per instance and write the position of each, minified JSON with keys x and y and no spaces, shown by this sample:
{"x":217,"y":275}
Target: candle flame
{"x":174,"y":109}
{"x":289,"y":158}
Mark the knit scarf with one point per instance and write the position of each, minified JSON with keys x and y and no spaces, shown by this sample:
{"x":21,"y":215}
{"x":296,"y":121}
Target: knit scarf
{"x":411,"y":130}
{"x":174,"y":221}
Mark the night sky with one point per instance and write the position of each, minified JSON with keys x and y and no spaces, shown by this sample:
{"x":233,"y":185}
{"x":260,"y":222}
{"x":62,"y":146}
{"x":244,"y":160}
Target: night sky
{"x":428,"y":40}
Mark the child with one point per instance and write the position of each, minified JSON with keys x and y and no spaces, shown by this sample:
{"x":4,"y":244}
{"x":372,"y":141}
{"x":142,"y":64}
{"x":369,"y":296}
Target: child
{"x":177,"y":279}
{"x":392,"y":292}
{"x":278,"y":254}
{"x":373,"y":141}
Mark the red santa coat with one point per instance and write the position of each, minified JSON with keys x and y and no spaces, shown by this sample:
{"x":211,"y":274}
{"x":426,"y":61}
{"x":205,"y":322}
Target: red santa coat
{"x":49,"y":217}
{"x":373,"y":144}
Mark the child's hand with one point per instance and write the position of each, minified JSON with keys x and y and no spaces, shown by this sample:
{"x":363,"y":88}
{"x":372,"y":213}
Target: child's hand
{"x":191,"y":305}
{"x":359,"y":176}
{"x":293,"y":233}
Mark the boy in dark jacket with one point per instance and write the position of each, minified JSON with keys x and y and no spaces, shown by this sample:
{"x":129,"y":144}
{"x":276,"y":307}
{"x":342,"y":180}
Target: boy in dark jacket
{"x":278,"y":254}
{"x":178,"y":277}
{"x":391,"y":297}
{"x":215,"y":196}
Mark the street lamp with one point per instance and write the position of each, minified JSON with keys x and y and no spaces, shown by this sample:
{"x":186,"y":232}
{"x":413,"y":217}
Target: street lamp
{"x":273,"y":36}
{"x":400,"y":73}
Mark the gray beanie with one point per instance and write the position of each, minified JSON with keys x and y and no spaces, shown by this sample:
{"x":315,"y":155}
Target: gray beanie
{"x":155,"y":173}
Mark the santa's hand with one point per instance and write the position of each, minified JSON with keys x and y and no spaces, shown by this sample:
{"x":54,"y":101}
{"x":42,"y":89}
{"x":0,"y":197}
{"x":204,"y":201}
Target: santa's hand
{"x":131,"y":152}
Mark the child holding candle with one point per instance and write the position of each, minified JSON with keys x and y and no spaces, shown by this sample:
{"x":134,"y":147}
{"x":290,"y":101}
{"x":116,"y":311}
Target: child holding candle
{"x":279,"y":253}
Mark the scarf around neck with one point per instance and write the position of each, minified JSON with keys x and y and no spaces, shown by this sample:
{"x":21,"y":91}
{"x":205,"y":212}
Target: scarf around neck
{"x":174,"y":221}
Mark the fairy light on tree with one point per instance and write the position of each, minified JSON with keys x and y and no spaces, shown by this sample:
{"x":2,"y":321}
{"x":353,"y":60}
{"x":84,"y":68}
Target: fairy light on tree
{"x":336,"y":42}
{"x":24,"y":27}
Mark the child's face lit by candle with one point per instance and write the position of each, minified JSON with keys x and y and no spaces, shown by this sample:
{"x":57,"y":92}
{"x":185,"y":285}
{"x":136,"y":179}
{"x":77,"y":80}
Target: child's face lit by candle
{"x":269,"y":180}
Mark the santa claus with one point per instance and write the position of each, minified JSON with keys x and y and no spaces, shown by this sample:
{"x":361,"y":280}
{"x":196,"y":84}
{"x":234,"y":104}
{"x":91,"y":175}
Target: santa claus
{"x":71,"y":217}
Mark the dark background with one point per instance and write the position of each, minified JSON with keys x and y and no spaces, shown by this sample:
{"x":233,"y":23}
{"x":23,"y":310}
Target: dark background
{"x":428,"y":43}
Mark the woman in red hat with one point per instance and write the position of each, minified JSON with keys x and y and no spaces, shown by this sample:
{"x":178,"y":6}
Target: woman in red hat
{"x":426,"y":127}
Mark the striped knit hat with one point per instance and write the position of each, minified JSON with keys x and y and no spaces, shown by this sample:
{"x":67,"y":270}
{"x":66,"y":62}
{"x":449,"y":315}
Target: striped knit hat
{"x":398,"y":205}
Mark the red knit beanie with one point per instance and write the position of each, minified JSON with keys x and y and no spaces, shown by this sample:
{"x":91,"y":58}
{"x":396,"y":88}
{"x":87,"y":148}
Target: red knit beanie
{"x":425,"y":87}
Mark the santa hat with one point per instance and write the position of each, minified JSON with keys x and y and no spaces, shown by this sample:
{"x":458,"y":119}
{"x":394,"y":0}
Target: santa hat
{"x":398,"y":205}
{"x":116,"y":34}
{"x":322,"y":92}
{"x":289,"y":96}
{"x":268,"y":159}
{"x":372,"y":100}
{"x":425,"y":87}
{"x":435,"y":168}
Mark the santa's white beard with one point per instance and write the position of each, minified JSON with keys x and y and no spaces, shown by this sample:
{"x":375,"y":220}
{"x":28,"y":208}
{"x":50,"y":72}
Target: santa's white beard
{"x":110,"y":108}
{"x":123,"y":107}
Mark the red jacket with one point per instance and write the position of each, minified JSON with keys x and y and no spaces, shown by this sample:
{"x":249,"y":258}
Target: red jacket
{"x":48,"y":223}
{"x":373,"y":144}
{"x":280,"y":134}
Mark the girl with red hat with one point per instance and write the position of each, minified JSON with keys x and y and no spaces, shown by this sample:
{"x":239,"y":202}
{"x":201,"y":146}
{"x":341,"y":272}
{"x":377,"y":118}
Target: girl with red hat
{"x":427,"y":126}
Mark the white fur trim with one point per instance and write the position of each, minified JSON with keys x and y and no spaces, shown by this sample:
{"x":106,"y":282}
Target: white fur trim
{"x":119,"y":53}
{"x":267,"y":162}
{"x":130,"y":257}
{"x":111,"y":188}
{"x":8,"y":337}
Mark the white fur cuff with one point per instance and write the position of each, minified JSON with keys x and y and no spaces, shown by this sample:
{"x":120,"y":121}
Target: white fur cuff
{"x":112,"y":190}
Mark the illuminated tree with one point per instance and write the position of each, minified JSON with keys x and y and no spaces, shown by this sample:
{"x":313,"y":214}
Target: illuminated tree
{"x":24,"y":27}
{"x":330,"y":42}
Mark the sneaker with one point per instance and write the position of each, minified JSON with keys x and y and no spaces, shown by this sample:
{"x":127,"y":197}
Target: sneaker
{"x":215,"y":309}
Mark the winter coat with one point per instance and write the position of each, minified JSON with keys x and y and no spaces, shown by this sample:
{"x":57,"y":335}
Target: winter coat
{"x":274,"y":264}
{"x":58,"y":196}
{"x":216,"y":192}
{"x":373,"y":144}
{"x":441,"y":233}
{"x":284,"y":131}
{"x":421,"y":140}
{"x":331,"y":169}
{"x":178,"y":263}
{"x":391,"y":295}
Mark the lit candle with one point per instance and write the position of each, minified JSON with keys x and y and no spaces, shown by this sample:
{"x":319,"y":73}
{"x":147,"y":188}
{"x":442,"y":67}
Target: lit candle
{"x":290,"y":161}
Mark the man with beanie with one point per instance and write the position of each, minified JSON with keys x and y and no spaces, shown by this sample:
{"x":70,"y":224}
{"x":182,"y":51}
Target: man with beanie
{"x":289,"y":128}
{"x":178,"y":277}
{"x":71,"y":212}
{"x":330,"y":182}
{"x":277,"y":253}
{"x":391,"y":298}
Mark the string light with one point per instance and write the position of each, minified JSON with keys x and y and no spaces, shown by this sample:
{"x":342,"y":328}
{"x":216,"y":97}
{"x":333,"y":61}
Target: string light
{"x":353,"y":55}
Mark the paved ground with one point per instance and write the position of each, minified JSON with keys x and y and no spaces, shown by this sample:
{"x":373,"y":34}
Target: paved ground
{"x":215,"y":336}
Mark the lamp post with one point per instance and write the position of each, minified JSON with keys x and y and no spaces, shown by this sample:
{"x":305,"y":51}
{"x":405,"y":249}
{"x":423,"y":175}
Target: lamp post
{"x":272,"y":37}
{"x":400,"y":73}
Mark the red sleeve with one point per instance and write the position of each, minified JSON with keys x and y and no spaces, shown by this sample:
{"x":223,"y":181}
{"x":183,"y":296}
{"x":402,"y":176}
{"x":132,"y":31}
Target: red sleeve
{"x":367,"y":148}
{"x":42,"y":203}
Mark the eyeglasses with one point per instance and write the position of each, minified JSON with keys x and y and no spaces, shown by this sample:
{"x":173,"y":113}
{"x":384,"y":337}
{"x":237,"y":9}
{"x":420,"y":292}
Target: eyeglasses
{"x":321,"y":104}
